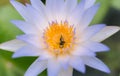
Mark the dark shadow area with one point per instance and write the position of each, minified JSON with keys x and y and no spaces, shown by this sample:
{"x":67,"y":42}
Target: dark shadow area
{"x":112,"y":17}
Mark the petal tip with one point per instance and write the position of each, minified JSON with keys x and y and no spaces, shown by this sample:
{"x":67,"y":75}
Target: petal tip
{"x":14,"y":56}
{"x":107,"y":70}
{"x":106,"y":48}
{"x":83,"y":71}
{"x":117,"y":27}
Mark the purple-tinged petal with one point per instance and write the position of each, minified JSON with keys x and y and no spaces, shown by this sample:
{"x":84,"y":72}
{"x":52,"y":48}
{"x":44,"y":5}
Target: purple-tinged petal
{"x":95,"y":63}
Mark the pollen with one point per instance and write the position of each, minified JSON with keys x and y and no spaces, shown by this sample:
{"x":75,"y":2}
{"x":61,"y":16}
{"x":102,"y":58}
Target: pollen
{"x":59,"y":38}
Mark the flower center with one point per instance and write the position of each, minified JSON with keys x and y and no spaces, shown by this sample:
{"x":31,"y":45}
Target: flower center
{"x":59,"y":38}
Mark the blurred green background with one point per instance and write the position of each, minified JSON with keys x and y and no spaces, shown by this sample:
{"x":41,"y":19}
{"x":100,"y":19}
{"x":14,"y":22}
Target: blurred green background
{"x":109,"y":13}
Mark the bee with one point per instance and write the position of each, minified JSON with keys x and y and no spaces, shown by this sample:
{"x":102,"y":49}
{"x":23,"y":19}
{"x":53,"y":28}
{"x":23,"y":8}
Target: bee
{"x":62,"y":42}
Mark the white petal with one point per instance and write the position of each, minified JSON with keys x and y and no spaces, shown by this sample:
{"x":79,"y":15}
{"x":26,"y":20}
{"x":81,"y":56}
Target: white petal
{"x":53,"y":67}
{"x":59,"y":3}
{"x":38,"y":5}
{"x":59,"y":13}
{"x":12,"y":45}
{"x":89,"y":3}
{"x":91,"y":31}
{"x":77,"y":64}
{"x":56,"y":14}
{"x":88,"y":16}
{"x":32,"y":39}
{"x":96,"y":46}
{"x":27,"y":51}
{"x":36,"y":68}
{"x":70,"y":5}
{"x":96,"y":63}
{"x":21,"y":9}
{"x":68,"y":72}
{"x":64,"y":61}
{"x":31,"y":15}
{"x":38,"y":19}
{"x":105,"y":33}
{"x":50,"y":5}
{"x":44,"y":55}
{"x":24,"y":27}
{"x":83,"y":51}
{"x":76,"y":14}
{"x":65,"y":10}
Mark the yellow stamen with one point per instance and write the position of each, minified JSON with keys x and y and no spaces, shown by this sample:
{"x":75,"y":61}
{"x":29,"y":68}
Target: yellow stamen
{"x":59,"y":38}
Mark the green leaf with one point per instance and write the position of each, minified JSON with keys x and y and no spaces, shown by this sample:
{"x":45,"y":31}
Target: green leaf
{"x":8,"y":69}
{"x":116,"y":4}
{"x":104,"y":7}
{"x":7,"y":30}
{"x":3,"y":2}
